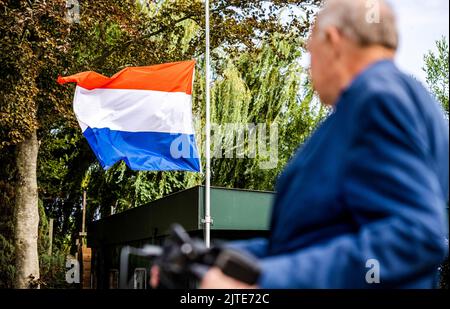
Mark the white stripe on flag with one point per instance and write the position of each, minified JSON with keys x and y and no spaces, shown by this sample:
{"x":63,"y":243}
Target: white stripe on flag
{"x":134,"y":110}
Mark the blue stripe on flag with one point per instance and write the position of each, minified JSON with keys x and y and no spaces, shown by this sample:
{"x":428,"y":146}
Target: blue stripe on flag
{"x":144,"y":150}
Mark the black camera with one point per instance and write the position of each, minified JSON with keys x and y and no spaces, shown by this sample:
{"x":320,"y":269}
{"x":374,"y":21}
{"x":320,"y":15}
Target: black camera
{"x":182,"y":259}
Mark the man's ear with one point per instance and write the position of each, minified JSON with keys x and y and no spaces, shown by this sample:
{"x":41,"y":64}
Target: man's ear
{"x":334,"y":38}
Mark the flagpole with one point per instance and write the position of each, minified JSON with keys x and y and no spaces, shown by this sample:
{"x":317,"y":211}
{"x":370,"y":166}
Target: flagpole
{"x":207,"y":219}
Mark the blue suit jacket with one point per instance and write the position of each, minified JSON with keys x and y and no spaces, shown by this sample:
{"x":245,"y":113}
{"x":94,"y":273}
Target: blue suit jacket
{"x":370,"y":183}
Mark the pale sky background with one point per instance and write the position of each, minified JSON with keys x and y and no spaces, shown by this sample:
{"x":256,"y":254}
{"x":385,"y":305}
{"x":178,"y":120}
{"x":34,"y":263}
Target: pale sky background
{"x":420,"y":24}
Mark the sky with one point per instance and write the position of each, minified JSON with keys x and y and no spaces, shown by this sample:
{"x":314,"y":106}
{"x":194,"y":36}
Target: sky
{"x":420,"y":24}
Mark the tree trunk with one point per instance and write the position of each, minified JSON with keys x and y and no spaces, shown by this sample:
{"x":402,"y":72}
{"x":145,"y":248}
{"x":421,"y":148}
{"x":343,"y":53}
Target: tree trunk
{"x":26,"y":216}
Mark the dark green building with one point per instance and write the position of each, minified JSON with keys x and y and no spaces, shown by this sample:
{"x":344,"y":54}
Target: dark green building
{"x":236,"y":213}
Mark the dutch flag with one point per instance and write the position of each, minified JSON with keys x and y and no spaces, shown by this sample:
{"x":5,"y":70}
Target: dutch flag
{"x":141,"y":115}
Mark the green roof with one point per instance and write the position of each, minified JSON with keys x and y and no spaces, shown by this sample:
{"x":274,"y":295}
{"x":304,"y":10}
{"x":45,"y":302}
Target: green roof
{"x":231,"y":209}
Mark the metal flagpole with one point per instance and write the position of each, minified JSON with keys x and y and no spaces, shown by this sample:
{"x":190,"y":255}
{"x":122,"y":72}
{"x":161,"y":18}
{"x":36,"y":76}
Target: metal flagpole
{"x":207,"y":219}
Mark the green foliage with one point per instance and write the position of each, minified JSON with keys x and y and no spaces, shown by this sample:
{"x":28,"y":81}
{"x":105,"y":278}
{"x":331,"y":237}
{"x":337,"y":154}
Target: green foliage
{"x":33,"y":36}
{"x":52,"y":266}
{"x":264,"y":86}
{"x":64,"y":157}
{"x":7,"y":250}
{"x":121,"y":188}
{"x":437,"y":69}
{"x":53,"y":271}
{"x":7,"y":271}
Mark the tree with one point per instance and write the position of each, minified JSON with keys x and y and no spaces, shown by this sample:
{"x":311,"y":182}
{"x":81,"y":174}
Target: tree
{"x":29,"y":47}
{"x":262,"y":87}
{"x":7,"y":252}
{"x":437,"y":69}
{"x":36,"y":46}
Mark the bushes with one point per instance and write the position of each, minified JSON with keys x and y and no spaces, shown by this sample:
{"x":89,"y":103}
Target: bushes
{"x":53,"y":271}
{"x":7,"y":251}
{"x":7,"y":269}
{"x":52,"y":267}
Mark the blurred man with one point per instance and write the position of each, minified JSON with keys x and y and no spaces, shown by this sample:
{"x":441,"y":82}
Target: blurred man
{"x":362,"y":203}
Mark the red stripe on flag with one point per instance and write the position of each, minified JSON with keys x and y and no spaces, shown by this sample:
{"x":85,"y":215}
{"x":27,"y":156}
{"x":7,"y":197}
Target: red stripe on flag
{"x":168,"y":77}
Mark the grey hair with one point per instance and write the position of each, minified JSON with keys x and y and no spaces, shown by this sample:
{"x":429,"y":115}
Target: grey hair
{"x":366,"y":22}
